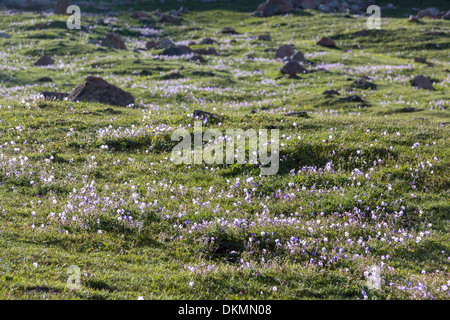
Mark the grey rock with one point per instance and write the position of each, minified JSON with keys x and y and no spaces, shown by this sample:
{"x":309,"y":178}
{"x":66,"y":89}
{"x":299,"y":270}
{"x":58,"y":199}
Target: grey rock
{"x":208,"y":41}
{"x":166,"y":44}
{"x":422,"y":82}
{"x":177,"y":51}
{"x":264,"y":37}
{"x":145,"y":72}
{"x":283,"y":51}
{"x":354,"y":98}
{"x":447,"y":15}
{"x":270,"y":9}
{"x":292,"y":68}
{"x":206,"y":51}
{"x":54,"y":95}
{"x":94,"y":89}
{"x":331,"y":92}
{"x":364,"y":84}
{"x":299,"y":57}
{"x":61,"y":7}
{"x":44,"y":61}
{"x":323,"y":8}
{"x":332,"y":4}
{"x":44,"y":79}
{"x":200,"y":114}
{"x":310,"y":4}
{"x":410,"y":109}
{"x":429,"y":12}
{"x":300,"y":114}
{"x":113,"y":41}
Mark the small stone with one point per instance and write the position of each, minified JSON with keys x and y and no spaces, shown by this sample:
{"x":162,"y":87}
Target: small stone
{"x":284,"y":51}
{"x":54,"y":95}
{"x":166,"y":44}
{"x":94,"y":41}
{"x":309,"y":4}
{"x":204,"y":73}
{"x":292,"y":68}
{"x":139,"y":14}
{"x":429,"y":12}
{"x":229,"y":31}
{"x":44,"y":61}
{"x":353,"y":98}
{"x":362,"y":33}
{"x":364,"y":84}
{"x":151,"y":45}
{"x":173,"y":75}
{"x":326,"y":42}
{"x":420,"y":60}
{"x":299,"y":57}
{"x":208,"y":41}
{"x":300,"y":114}
{"x":177,"y":51}
{"x":44,"y":79}
{"x":261,"y":7}
{"x":422,"y":82}
{"x":199,"y":114}
{"x":264,"y":37}
{"x":183,"y":10}
{"x":331,"y":92}
{"x":113,"y":41}
{"x":145,"y":72}
{"x":94,"y":89}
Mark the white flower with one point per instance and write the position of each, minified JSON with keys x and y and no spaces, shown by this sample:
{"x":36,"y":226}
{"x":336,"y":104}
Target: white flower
{"x":140,"y":298}
{"x":274,"y":289}
{"x":35,"y":264}
{"x":191,"y":283}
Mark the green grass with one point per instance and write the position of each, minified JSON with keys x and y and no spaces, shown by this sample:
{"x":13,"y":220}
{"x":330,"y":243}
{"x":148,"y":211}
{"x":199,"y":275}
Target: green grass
{"x":56,"y":164}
